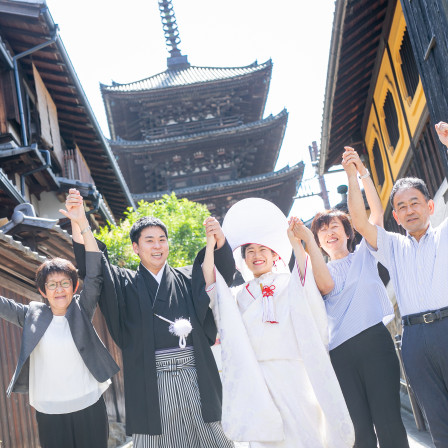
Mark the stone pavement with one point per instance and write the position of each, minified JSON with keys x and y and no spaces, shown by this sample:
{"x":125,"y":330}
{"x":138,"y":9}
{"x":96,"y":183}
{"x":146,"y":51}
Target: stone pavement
{"x":416,"y":439}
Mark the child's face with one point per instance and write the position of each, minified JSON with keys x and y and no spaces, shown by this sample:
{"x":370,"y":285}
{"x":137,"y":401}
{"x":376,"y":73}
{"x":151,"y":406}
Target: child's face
{"x":260,"y":259}
{"x":58,"y":292}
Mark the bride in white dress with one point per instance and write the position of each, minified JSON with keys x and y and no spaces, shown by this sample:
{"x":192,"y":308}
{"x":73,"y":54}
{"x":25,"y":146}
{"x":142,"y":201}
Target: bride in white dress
{"x":279,"y":388}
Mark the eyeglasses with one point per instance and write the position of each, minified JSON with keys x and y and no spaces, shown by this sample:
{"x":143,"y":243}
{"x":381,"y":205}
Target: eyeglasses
{"x":63,"y":283}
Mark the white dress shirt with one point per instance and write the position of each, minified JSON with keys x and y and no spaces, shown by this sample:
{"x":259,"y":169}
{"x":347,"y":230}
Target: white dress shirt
{"x":418,"y":269}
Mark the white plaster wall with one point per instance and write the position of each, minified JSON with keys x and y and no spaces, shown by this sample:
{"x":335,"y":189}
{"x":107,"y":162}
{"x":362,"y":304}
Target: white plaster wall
{"x":441,"y":206}
{"x":49,"y":206}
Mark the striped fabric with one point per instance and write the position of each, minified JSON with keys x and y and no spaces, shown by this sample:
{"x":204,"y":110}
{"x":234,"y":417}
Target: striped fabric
{"x":418,"y":270}
{"x":359,"y":299}
{"x":180,"y":407}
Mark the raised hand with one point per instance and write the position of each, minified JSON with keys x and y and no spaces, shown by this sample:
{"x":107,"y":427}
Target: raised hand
{"x":351,"y":156}
{"x":442,"y":132}
{"x":75,"y":208}
{"x":214,"y":232}
{"x":297,"y":230}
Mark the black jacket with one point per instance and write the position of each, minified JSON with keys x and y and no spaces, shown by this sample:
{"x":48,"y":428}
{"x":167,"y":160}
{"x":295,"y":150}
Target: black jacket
{"x":37,"y":316}
{"x":128,"y":312}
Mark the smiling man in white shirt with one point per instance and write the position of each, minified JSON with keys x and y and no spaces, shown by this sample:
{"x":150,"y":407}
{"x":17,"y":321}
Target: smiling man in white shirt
{"x":417,"y":265}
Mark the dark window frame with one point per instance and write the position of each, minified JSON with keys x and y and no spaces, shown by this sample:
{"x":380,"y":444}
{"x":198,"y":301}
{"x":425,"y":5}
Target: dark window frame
{"x":409,"y":68}
{"x":378,"y":163}
{"x":391,"y":120}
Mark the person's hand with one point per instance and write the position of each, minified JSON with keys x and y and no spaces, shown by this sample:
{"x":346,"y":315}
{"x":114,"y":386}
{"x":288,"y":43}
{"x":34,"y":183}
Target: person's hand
{"x":74,"y":205}
{"x":351,"y":156}
{"x":442,"y":132}
{"x":297,"y":231}
{"x":214,"y":232}
{"x":349,"y":160}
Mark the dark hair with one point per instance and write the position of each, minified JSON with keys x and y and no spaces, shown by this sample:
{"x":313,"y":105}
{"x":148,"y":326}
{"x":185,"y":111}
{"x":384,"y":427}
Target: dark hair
{"x":142,"y":223}
{"x":406,"y":183}
{"x":56,"y":265}
{"x":245,"y":246}
{"x":243,"y":250}
{"x":324,"y":219}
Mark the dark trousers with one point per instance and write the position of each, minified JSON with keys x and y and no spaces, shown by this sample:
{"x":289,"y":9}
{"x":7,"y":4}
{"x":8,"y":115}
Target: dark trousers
{"x":87,"y":428}
{"x":425,"y":357}
{"x":368,"y":371}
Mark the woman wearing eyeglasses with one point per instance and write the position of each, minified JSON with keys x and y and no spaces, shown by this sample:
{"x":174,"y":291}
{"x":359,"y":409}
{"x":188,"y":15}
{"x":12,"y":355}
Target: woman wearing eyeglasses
{"x":63,"y":364}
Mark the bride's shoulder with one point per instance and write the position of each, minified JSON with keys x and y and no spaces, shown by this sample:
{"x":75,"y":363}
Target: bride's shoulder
{"x":282,"y":276}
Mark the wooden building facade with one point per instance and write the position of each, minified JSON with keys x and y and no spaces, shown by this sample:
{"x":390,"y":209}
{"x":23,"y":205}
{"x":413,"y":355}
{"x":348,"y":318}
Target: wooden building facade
{"x":49,"y":141}
{"x":385,"y":91}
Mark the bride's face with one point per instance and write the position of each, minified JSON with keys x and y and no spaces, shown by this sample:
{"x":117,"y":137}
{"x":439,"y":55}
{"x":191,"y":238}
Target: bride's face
{"x":259,"y":259}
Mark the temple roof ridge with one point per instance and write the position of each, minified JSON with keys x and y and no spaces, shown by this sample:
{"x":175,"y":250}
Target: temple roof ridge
{"x":157,"y":141}
{"x":185,"y":76}
{"x":287,"y":170}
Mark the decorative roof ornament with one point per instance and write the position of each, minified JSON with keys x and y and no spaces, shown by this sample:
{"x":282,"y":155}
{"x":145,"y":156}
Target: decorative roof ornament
{"x":176,"y":60}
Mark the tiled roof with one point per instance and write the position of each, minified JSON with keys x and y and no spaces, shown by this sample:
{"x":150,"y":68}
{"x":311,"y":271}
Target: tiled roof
{"x":245,"y":182}
{"x":6,"y":184}
{"x":19,"y":249}
{"x":223,"y":131}
{"x":28,"y":23}
{"x":186,"y":76}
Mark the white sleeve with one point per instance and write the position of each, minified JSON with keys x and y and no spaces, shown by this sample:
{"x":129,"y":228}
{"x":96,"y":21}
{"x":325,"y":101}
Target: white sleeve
{"x":306,"y":289}
{"x":385,"y":242}
{"x":211,"y":292}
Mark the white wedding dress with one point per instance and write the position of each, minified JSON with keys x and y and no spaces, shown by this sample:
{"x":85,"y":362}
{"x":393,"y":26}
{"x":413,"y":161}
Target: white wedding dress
{"x":279,"y":388}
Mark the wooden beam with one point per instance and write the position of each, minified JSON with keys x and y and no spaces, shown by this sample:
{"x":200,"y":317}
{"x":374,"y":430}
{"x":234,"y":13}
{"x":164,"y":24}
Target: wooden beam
{"x":29,"y":292}
{"x":14,"y":259}
{"x":19,"y":46}
{"x":27,"y":11}
{"x":22,"y":32}
{"x":27,"y":278}
{"x":69,"y":116}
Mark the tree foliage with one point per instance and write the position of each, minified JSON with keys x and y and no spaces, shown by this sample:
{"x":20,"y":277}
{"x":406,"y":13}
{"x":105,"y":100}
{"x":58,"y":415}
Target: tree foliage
{"x":183,"y":219}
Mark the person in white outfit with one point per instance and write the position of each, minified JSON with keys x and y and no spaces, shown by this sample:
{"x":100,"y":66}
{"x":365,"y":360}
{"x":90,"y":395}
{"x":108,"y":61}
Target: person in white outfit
{"x":279,"y":388}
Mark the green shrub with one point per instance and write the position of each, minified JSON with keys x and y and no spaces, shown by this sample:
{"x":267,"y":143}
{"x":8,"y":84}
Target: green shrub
{"x":183,"y":218}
